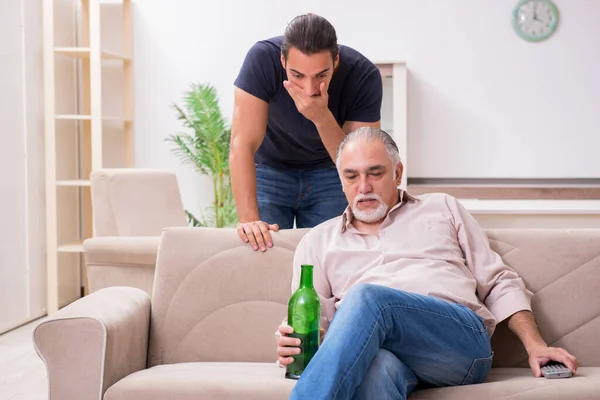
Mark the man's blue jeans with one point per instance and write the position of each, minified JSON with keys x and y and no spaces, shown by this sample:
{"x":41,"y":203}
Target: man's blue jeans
{"x":383,"y":343}
{"x":309,"y":196}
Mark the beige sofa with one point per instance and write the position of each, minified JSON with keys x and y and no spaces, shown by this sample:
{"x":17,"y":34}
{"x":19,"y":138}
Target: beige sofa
{"x":131,"y":206}
{"x":208,"y":331}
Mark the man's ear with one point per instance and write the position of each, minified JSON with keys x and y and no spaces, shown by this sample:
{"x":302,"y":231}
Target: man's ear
{"x":399,"y":170}
{"x":283,"y":62}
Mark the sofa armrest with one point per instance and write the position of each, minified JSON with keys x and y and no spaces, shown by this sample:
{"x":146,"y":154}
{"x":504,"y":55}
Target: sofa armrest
{"x":121,"y":261}
{"x":122,"y":250}
{"x":94,"y":342}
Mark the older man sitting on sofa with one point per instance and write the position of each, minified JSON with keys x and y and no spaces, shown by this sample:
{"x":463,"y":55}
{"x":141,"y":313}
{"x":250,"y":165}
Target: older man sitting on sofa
{"x":414,"y":287}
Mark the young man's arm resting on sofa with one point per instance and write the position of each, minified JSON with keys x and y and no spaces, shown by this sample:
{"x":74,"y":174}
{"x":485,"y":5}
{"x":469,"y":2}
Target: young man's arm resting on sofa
{"x":523,"y":325}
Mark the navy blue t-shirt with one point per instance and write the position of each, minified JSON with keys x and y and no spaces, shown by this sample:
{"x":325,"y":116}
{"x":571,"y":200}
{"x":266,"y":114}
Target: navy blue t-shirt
{"x":291,"y":140}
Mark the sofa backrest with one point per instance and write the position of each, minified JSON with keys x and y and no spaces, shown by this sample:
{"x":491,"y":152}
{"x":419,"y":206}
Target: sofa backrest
{"x":214,"y":299}
{"x":135,"y":201}
{"x":562,"y":268}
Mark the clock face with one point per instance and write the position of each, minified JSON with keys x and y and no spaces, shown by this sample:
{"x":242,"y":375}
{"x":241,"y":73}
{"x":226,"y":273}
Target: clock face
{"x":535,"y":20}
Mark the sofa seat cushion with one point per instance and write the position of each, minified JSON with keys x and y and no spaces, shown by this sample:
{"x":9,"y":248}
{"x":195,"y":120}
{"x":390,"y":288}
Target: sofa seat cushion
{"x":519,"y":384}
{"x":205,"y":381}
{"x":265,"y":381}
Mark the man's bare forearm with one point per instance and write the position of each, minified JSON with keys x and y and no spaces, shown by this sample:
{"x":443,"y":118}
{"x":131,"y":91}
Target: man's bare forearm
{"x":523,"y":325}
{"x":243,"y":184}
{"x":331,"y":134}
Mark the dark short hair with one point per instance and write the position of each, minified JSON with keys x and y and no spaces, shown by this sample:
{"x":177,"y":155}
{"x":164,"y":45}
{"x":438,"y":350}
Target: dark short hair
{"x":310,"y":33}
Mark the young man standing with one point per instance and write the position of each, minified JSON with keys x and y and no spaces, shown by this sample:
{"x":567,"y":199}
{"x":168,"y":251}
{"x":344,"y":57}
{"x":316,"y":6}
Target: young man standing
{"x":296,"y":97}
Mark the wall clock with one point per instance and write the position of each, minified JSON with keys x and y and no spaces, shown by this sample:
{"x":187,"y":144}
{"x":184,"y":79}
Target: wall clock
{"x":535,"y":20}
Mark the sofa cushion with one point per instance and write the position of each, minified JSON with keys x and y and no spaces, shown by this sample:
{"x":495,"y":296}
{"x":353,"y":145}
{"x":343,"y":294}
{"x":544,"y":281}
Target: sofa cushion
{"x":210,"y":288}
{"x":519,"y":384}
{"x":135,"y":201}
{"x":204,"y":381}
{"x":265,"y":381}
{"x":562,"y":268}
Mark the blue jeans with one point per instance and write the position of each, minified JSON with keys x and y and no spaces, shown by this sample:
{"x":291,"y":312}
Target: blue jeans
{"x":309,"y":196}
{"x":383,"y":343}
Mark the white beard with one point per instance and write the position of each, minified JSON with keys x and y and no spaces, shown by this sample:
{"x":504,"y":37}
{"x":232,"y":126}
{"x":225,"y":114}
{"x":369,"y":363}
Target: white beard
{"x":369,"y":216}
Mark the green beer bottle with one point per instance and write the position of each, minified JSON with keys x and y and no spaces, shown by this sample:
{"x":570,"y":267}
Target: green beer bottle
{"x":304,"y":315}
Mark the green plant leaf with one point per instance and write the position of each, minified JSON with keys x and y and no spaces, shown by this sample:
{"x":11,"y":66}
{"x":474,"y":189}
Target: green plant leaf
{"x":206,"y":145}
{"x":193,"y":221}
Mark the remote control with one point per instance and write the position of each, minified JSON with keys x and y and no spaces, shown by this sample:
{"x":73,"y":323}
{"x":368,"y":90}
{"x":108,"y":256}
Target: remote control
{"x":554,"y":370}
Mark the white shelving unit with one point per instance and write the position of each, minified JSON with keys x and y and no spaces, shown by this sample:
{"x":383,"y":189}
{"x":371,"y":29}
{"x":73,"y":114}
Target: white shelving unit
{"x":68,"y":198}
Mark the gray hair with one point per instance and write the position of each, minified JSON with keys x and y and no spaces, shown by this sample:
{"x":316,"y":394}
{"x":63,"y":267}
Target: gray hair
{"x":366,"y":134}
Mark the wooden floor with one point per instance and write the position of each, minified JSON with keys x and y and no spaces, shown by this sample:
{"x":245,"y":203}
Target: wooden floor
{"x":22,"y":373}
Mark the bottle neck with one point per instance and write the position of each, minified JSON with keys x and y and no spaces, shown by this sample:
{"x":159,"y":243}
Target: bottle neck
{"x":306,"y":277}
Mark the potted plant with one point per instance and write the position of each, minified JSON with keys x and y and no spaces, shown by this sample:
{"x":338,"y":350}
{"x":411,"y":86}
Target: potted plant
{"x":206,"y":147}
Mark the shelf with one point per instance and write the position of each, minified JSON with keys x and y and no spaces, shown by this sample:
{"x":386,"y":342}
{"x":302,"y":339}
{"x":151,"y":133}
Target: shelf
{"x":73,"y":182}
{"x":386,"y":68}
{"x":84,"y":52}
{"x":500,"y":191}
{"x":82,"y":60}
{"x":74,"y":117}
{"x":83,"y":117}
{"x":386,"y":62}
{"x":532,"y":207}
{"x":71,"y":248}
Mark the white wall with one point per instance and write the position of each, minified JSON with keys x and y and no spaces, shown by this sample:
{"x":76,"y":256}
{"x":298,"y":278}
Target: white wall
{"x":22,"y":160}
{"x":477,"y":93}
{"x":22,"y":262}
{"x":13,"y":210}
